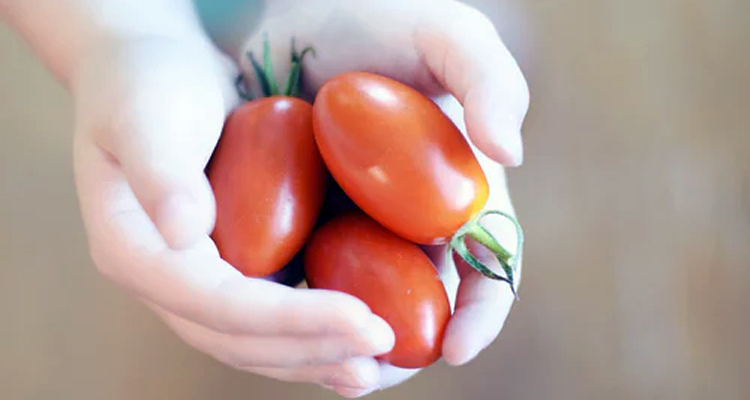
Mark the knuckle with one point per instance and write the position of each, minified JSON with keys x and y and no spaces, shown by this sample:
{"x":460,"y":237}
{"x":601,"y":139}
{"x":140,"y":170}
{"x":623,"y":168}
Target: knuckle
{"x":162,"y":102}
{"x":348,"y":350}
{"x":521,"y":99}
{"x":475,"y":20}
{"x":335,"y":351}
{"x":325,"y":353}
{"x":318,"y":353}
{"x":349,"y":309}
{"x":522,"y":91}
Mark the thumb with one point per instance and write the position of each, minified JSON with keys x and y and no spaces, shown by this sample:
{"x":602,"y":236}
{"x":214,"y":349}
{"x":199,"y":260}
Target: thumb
{"x":164,"y":110}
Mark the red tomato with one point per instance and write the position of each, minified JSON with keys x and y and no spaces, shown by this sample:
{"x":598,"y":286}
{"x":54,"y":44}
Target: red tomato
{"x":269,"y":182}
{"x":398,"y":156}
{"x":354,"y":254}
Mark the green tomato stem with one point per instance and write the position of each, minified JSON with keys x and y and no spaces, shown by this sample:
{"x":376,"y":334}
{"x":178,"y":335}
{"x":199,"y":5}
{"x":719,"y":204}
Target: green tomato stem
{"x":293,"y":82}
{"x":266,"y":78}
{"x":481,"y":235}
{"x":263,"y":79}
{"x":268,"y":65}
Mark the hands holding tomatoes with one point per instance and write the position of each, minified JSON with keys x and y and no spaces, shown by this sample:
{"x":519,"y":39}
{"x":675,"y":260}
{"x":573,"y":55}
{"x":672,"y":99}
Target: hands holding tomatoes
{"x":150,"y":111}
{"x":451,"y":53}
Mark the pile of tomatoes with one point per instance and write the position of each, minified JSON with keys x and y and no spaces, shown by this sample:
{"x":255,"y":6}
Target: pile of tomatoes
{"x":408,"y":174}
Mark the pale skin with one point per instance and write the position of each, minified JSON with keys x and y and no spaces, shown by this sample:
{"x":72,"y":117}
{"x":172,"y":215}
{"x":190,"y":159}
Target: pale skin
{"x":151,"y":90}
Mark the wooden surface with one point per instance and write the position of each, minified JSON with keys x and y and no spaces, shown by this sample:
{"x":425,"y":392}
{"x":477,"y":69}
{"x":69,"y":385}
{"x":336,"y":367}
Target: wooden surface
{"x":635,"y":196}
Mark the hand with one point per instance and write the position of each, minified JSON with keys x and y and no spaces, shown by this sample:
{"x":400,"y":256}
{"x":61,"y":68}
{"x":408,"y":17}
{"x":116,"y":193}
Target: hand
{"x":149,"y":114}
{"x":452,"y":53}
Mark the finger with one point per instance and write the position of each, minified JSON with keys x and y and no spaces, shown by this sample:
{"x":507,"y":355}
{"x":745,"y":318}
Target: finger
{"x":359,"y":373}
{"x":391,"y":376}
{"x":482,"y":308}
{"x":272,"y":351}
{"x":482,"y":304}
{"x":160,"y":117}
{"x":466,"y":55}
{"x":195,"y":283}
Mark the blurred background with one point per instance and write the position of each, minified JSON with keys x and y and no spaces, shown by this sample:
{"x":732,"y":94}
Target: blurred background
{"x":635,"y":198}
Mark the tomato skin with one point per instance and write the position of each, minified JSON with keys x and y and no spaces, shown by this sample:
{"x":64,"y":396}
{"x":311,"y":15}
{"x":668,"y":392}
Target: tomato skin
{"x":398,"y":156}
{"x":354,"y":254}
{"x":269,"y":183}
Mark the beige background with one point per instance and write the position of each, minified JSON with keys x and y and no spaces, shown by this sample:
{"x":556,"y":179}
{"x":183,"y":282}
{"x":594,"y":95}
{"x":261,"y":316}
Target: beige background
{"x":635,"y":197}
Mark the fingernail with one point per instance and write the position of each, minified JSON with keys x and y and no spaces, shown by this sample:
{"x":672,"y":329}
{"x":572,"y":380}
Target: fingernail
{"x":505,"y":148}
{"x":514,"y":148}
{"x":380,"y":335}
{"x":510,"y":144}
{"x":508,"y":141}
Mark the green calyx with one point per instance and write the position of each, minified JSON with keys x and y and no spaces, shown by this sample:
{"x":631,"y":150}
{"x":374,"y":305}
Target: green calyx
{"x":481,"y":235}
{"x":266,"y":79}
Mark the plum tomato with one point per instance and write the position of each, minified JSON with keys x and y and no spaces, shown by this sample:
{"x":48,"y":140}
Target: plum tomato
{"x":354,"y":254}
{"x":268,"y":178}
{"x":398,"y":157}
{"x":406,"y":164}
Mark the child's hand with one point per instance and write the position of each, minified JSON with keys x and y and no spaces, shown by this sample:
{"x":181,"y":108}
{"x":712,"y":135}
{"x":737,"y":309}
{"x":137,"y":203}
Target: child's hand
{"x":452,"y":53}
{"x":149,"y":114}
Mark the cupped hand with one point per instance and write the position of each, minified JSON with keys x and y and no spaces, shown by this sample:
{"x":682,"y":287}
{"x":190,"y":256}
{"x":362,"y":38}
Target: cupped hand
{"x":452,"y":53}
{"x":149,"y":112}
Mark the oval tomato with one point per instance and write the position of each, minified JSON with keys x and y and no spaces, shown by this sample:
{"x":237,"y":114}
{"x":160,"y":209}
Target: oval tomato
{"x":354,"y":254}
{"x":268,"y":178}
{"x":398,"y":156}
{"x":269,"y":182}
